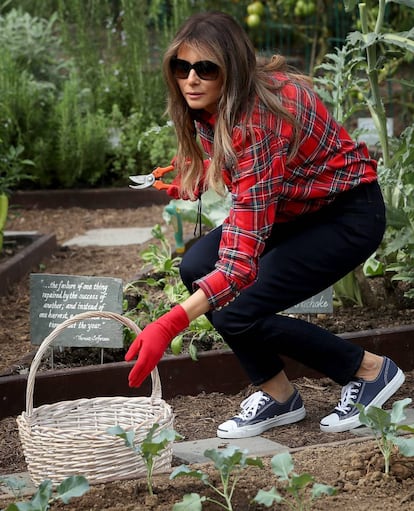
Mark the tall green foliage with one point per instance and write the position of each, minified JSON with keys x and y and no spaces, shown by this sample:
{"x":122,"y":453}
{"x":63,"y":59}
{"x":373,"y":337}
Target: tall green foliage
{"x":82,"y":136}
{"x":73,"y":80}
{"x":369,"y":57}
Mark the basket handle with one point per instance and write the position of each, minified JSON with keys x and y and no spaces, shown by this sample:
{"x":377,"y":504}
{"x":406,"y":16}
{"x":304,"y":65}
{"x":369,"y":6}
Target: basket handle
{"x":156,"y":382}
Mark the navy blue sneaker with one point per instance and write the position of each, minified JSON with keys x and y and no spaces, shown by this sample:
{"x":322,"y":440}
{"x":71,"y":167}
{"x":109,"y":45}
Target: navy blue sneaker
{"x":261,"y":412}
{"x":367,"y":393}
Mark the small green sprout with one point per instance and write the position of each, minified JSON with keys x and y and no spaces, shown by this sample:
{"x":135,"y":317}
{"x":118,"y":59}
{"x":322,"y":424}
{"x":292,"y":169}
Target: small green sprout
{"x":296,"y":486}
{"x":15,"y":484}
{"x":152,"y":446}
{"x":73,"y":486}
{"x":229,"y":462}
{"x":386,"y":426}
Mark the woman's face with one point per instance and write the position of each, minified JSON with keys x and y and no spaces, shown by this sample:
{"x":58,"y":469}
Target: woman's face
{"x":198,"y":93}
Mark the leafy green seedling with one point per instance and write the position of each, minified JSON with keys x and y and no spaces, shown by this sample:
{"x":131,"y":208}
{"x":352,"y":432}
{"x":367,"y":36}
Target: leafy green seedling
{"x":73,"y":486}
{"x":229,"y":462}
{"x":15,"y":484}
{"x":151,"y":447}
{"x":160,"y":256}
{"x":296,"y":486}
{"x":386,"y":426}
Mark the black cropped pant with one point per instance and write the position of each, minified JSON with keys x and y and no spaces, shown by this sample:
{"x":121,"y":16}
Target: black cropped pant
{"x":301,"y":258}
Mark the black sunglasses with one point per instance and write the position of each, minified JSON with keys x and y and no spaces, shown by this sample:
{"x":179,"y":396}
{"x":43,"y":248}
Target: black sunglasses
{"x":205,"y":69}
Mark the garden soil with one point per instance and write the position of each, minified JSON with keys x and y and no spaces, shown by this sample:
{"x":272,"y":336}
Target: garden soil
{"x":352,"y":466}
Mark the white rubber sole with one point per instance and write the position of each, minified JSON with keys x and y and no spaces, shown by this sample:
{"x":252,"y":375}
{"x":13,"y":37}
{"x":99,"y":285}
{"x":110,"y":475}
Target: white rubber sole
{"x":383,"y":396}
{"x":261,"y":427}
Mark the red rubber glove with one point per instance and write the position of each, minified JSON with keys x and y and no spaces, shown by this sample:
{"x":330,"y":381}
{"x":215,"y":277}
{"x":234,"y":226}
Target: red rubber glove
{"x":152,"y":342}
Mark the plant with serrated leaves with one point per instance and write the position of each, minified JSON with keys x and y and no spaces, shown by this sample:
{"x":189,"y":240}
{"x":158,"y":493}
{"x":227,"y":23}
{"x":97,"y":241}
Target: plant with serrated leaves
{"x":230,"y":463}
{"x":370,"y":55}
{"x":296,"y":486}
{"x":160,"y":256}
{"x":153,"y":445}
{"x":338,"y":83}
{"x":73,"y":486}
{"x":371,"y":43}
{"x":386,"y":427}
{"x":398,"y":186}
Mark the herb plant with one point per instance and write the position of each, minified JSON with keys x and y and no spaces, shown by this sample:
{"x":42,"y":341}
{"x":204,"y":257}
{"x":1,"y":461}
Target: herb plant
{"x":73,"y":486}
{"x":151,"y":447}
{"x":296,"y":486}
{"x":386,"y":426}
{"x":230,"y":463}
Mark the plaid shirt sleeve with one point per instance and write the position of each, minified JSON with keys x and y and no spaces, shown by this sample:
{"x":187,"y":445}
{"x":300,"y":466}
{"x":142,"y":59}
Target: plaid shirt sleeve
{"x":266,"y":188}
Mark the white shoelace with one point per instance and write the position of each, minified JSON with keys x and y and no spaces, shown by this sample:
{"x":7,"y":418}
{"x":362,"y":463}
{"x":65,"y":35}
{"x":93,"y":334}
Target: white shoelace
{"x":251,"y":404}
{"x":348,"y":395}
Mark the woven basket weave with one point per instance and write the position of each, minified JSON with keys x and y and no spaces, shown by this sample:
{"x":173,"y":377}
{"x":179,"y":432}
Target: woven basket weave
{"x":69,"y":437}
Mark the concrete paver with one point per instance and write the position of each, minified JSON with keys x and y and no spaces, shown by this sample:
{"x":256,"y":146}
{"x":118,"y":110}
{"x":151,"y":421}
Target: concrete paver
{"x":112,"y":237}
{"x":193,"y":451}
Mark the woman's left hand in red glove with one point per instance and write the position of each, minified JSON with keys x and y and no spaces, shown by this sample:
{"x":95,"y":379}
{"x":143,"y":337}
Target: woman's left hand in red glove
{"x":152,"y":342}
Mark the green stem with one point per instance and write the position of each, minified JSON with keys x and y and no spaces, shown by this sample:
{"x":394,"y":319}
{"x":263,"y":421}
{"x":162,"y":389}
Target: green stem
{"x":4,"y":208}
{"x":150,"y":469}
{"x":376,"y":105}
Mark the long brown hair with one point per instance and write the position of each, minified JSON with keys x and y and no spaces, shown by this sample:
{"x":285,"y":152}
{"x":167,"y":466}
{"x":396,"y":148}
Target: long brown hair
{"x":223,"y":41}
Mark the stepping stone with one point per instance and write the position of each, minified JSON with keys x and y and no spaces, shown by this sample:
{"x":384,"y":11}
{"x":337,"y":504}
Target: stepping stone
{"x":193,"y":451}
{"x":112,"y":237}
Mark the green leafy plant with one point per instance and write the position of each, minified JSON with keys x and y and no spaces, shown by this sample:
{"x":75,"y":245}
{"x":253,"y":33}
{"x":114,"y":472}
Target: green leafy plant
{"x":13,"y":168}
{"x":214,"y":209}
{"x":15,"y":484}
{"x":82,"y":140}
{"x":398,"y":246}
{"x":230,"y":463}
{"x":386,"y":427}
{"x":73,"y":486}
{"x":338,"y":84}
{"x":159,"y":143}
{"x":296,"y":486}
{"x":154,"y":443}
{"x":160,"y":256}
{"x":347,"y":290}
{"x":353,"y":79}
{"x":12,"y":172}
{"x":371,"y":43}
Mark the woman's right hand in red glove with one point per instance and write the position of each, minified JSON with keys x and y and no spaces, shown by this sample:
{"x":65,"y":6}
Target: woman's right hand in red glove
{"x":150,"y":345}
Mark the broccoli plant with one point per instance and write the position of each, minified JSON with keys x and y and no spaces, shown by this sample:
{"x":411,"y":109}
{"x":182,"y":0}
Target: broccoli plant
{"x":296,"y":485}
{"x":230,"y":463}
{"x":386,"y":426}
{"x":73,"y":486}
{"x":153,"y":445}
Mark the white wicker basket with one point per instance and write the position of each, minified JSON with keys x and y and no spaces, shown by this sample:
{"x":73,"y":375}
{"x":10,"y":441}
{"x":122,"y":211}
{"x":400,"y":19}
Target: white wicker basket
{"x":69,"y":437}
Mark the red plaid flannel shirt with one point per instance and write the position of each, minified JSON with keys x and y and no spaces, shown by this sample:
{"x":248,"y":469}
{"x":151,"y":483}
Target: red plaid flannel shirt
{"x":266,"y":189}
